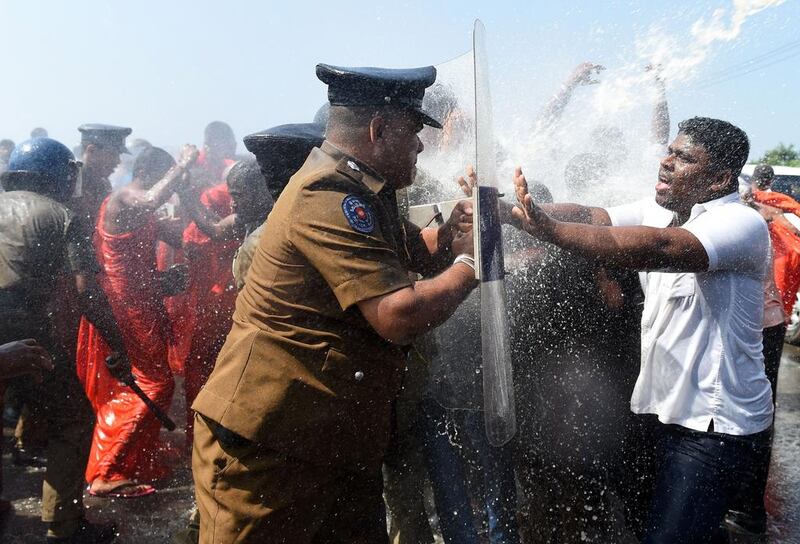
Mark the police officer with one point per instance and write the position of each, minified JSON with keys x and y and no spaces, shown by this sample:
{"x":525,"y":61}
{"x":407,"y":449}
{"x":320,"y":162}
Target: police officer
{"x":280,"y":152}
{"x":292,"y":425}
{"x":102,"y":146}
{"x":40,"y":236}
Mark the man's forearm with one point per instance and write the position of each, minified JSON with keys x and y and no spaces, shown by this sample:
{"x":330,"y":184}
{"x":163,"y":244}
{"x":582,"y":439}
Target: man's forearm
{"x":576,"y":213}
{"x":636,"y":248}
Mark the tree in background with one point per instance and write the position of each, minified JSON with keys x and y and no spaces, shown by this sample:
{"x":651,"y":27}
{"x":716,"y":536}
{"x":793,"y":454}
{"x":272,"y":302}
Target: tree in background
{"x":781,"y":155}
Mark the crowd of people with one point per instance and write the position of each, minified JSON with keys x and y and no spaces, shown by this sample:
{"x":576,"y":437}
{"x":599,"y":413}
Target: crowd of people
{"x":329,"y":348}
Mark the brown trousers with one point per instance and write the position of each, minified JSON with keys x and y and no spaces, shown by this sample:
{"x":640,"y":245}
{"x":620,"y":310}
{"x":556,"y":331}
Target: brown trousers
{"x":60,"y":402}
{"x":247,"y":493}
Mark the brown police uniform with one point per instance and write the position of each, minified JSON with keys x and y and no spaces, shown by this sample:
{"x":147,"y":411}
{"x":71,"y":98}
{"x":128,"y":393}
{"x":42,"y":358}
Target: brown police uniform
{"x":293,"y":423}
{"x":40,"y":236}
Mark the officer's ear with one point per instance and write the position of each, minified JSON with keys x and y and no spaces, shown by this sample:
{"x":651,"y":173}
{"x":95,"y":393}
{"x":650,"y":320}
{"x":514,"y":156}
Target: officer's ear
{"x":377,"y":128}
{"x":89,"y":150}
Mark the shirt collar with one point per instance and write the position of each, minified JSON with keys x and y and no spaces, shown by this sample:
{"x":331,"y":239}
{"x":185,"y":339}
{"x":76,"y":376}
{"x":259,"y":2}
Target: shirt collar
{"x":702,"y":207}
{"x":368,"y":176}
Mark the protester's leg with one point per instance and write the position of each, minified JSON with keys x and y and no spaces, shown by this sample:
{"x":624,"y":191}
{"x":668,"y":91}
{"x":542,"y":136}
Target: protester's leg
{"x":448,"y":480}
{"x":697,"y":481}
{"x":499,"y":483}
{"x":404,"y":475}
{"x":357,"y":516}
{"x":635,"y":473}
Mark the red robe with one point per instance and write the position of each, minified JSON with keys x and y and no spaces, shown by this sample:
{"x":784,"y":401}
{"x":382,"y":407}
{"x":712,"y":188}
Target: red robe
{"x":211,"y":296}
{"x":126,"y":441}
{"x":785,"y":247}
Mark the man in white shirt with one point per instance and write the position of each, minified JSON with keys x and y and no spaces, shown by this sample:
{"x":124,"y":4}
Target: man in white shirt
{"x":702,"y":256}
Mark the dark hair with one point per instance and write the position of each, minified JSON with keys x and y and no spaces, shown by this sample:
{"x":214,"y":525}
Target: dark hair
{"x":218,"y":132}
{"x":726,"y":144}
{"x":39,"y":132}
{"x":246,"y":174}
{"x":763,"y":173}
{"x":152,"y":164}
{"x":8,"y":144}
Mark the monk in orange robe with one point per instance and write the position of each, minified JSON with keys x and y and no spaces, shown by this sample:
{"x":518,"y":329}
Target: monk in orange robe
{"x":126,"y":448}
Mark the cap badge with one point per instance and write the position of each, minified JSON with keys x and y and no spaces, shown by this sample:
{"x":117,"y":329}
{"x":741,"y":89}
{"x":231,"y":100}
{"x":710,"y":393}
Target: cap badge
{"x":358,"y":214}
{"x":353,"y":166}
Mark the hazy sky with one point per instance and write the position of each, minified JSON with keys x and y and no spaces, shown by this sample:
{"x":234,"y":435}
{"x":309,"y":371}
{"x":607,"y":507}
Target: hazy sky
{"x":168,"y":68}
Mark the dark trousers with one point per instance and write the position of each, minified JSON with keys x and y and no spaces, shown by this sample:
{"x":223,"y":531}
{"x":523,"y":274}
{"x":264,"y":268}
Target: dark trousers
{"x":700,"y":475}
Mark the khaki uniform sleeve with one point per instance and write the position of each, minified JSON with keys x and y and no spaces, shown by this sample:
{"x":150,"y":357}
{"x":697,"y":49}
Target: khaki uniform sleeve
{"x":81,"y":258}
{"x":356,"y":265}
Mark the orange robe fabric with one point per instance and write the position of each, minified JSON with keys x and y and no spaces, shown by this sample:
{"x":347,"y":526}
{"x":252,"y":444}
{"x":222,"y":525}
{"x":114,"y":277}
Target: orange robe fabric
{"x":785,"y":247}
{"x":126,"y":441}
{"x":211,"y":297}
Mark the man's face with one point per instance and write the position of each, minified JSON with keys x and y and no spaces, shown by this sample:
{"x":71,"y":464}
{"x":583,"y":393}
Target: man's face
{"x":101,"y":160}
{"x":684,"y":178}
{"x":399,"y":147}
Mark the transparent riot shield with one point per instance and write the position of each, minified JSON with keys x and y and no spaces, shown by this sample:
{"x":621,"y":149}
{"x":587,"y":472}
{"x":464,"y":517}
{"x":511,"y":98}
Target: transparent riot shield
{"x":469,"y":355}
{"x":453,"y":350}
{"x":498,"y":385}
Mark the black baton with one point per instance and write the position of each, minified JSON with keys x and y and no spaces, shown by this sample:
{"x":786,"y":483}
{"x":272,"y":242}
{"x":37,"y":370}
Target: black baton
{"x":123,"y":374}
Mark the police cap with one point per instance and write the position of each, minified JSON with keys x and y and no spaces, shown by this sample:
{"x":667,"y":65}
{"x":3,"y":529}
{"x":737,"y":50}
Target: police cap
{"x":379,"y":87}
{"x":105,"y":136}
{"x":282,"y":150}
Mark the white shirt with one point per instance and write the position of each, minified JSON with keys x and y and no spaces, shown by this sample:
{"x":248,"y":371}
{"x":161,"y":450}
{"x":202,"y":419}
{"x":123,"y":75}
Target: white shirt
{"x":702,"y":355}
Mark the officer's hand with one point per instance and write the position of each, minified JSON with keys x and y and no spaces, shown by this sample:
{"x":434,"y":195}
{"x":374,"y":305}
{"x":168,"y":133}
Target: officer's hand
{"x":469,"y":181}
{"x":189,"y":155}
{"x":24,"y":357}
{"x":461,"y":218}
{"x":464,"y":244}
{"x":119,"y":367}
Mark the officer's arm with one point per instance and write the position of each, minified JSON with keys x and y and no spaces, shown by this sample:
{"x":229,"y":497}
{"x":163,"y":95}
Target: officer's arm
{"x":92,"y":299}
{"x":403,"y":315}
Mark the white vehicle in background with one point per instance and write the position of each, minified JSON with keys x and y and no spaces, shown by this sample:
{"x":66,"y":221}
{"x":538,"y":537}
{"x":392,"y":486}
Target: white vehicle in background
{"x":787,"y":181}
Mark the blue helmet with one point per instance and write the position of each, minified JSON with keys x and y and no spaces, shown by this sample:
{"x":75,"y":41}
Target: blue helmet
{"x":46,"y":160}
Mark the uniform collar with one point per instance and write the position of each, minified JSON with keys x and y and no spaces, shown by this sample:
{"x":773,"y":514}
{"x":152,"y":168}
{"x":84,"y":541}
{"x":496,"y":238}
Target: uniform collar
{"x":353,"y":168}
{"x":701,"y":207}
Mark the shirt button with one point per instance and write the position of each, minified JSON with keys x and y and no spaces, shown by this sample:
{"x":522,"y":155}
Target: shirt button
{"x":359,"y":376}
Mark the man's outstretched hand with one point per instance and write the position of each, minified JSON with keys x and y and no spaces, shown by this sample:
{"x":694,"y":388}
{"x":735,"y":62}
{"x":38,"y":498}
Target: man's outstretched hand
{"x":527,"y":215}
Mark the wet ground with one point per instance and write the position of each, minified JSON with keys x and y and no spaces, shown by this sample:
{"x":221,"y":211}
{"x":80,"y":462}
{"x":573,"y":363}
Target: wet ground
{"x":153,"y":519}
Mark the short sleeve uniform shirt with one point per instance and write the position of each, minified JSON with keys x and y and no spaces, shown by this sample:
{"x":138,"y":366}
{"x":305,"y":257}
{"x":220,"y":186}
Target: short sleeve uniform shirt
{"x":302,"y":371}
{"x":701,"y":332}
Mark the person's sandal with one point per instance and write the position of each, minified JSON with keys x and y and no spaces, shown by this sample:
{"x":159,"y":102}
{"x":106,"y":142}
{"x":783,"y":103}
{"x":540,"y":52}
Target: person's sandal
{"x":128,"y":490}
